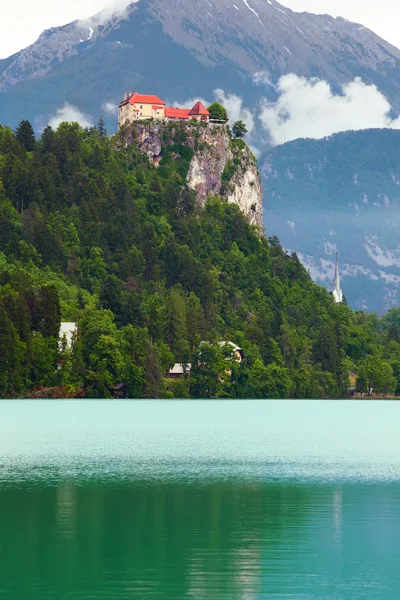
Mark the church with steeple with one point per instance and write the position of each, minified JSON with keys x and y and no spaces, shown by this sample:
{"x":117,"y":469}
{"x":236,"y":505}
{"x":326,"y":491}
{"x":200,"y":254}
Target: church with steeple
{"x":337,"y":290}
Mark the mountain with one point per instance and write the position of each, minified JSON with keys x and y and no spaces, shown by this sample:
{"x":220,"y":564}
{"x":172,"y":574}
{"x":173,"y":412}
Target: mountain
{"x":182,"y":49}
{"x":340,"y":193}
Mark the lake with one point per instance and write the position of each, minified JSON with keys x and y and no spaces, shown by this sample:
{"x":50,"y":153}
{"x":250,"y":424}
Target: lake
{"x":218,"y":500}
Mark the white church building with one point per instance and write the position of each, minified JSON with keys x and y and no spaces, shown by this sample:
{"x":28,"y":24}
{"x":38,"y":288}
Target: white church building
{"x":337,"y":290}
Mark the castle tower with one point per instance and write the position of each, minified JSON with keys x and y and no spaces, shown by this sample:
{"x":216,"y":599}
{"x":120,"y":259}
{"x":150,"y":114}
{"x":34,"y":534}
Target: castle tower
{"x":337,"y":291}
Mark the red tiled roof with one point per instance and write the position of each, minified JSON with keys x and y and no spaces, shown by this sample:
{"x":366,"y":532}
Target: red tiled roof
{"x":199,"y":109}
{"x":177,"y":113}
{"x":137,"y":98}
{"x":134,"y":98}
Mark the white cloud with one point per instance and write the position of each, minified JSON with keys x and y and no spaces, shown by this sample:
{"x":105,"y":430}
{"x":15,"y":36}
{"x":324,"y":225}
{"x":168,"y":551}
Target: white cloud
{"x":232,"y":103}
{"x":235,"y":108}
{"x":262,"y":78}
{"x":71,"y":114}
{"x":110,"y":108}
{"x":309,"y":108}
{"x":118,"y":7}
{"x":187,"y":103}
{"x":256,"y":151}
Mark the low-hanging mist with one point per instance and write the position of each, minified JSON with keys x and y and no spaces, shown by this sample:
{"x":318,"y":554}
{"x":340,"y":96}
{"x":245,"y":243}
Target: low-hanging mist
{"x":308,"y":108}
{"x":305,"y":108}
{"x":71,"y":114}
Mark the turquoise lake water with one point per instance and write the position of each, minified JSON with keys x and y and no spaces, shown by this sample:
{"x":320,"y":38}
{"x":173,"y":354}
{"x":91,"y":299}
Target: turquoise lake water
{"x":216,"y":500}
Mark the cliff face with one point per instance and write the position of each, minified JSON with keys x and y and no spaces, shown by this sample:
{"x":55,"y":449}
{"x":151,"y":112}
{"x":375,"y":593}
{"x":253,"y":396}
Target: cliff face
{"x":216,"y":163}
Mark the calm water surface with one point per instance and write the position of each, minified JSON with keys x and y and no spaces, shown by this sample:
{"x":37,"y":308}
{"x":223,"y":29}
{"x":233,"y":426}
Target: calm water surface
{"x":201,"y":500}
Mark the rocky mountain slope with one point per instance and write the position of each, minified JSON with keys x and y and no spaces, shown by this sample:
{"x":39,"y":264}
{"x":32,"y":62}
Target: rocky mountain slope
{"x":340,"y":193}
{"x":216,"y":164}
{"x":186,"y":49}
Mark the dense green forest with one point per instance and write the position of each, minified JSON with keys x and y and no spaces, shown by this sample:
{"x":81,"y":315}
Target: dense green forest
{"x":99,"y":236}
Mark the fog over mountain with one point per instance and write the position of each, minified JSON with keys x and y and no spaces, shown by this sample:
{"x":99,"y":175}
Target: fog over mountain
{"x":182,"y":49}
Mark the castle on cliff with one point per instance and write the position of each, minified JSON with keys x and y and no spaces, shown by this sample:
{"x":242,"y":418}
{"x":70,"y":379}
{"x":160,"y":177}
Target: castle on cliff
{"x":138,"y":107}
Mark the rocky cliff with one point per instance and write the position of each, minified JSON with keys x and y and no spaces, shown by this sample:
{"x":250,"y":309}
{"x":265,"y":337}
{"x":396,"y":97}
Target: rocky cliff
{"x":215,"y":163}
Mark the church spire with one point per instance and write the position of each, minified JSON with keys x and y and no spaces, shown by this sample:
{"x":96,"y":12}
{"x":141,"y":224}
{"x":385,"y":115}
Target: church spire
{"x":337,"y":291}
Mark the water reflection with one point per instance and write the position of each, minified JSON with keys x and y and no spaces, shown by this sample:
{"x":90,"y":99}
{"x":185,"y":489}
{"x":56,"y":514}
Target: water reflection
{"x":223,"y":540}
{"x":161,"y":541}
{"x":337,"y":516}
{"x":218,"y":501}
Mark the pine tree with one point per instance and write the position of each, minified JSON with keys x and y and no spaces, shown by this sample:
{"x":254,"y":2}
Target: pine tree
{"x":48,"y":312}
{"x":153,"y":373}
{"x":12,"y":355}
{"x":175,"y":330}
{"x":101,"y":128}
{"x":25,"y":135}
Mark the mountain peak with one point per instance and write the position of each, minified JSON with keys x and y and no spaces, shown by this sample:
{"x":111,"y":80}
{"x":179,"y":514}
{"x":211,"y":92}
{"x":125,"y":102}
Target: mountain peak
{"x":186,"y":49}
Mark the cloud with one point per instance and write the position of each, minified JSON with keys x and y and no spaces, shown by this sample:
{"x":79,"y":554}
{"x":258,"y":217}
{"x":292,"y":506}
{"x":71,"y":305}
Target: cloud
{"x":116,"y":8}
{"x":232,"y":103}
{"x":109,"y":108}
{"x":256,"y":151}
{"x":262,"y":78}
{"x":235,"y":108}
{"x":309,"y":108}
{"x":71,"y":114}
{"x":189,"y":103}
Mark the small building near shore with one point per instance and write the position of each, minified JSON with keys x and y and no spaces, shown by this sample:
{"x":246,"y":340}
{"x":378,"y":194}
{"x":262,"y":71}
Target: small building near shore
{"x":67,"y":335}
{"x":237,"y":352}
{"x":179,"y":370}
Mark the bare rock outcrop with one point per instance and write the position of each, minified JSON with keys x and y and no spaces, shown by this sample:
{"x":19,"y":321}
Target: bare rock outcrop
{"x":217,"y":164}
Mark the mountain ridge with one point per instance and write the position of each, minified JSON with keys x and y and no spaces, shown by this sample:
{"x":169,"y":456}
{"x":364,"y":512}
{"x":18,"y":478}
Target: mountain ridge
{"x":345,"y":189}
{"x":216,"y":44}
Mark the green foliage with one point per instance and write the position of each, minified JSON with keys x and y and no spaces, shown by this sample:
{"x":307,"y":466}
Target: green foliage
{"x":25,"y":135}
{"x":376,"y":376}
{"x":96,"y":235}
{"x":241,"y":159}
{"x":227,"y":174}
{"x":239,"y":129}
{"x":11,"y":357}
{"x":218,"y":112}
{"x":271,"y":381}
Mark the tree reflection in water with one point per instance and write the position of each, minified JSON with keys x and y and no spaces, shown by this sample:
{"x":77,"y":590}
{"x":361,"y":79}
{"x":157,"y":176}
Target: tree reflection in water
{"x":207,"y":539}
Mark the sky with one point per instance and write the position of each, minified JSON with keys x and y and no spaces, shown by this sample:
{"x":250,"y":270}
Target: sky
{"x":22,"y":22}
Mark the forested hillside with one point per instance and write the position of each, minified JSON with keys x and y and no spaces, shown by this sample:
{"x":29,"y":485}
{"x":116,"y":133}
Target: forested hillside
{"x":102,"y":237}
